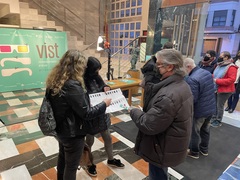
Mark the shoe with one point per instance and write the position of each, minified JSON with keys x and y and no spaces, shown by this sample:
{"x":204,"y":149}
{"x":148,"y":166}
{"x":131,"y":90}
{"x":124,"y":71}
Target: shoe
{"x":230,"y":111}
{"x":91,"y":170}
{"x":194,"y":155}
{"x":227,"y":108}
{"x":216,"y":123}
{"x":204,"y":153}
{"x":115,"y":163}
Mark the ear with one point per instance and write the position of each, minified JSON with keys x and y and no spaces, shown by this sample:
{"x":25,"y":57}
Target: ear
{"x":170,"y":67}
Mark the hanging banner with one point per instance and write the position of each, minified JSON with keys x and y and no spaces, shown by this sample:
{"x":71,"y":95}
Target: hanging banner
{"x":27,"y":56}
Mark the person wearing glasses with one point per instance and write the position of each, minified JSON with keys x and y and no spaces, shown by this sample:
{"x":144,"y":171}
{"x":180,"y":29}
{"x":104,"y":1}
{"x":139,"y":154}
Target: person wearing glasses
{"x":165,"y":122}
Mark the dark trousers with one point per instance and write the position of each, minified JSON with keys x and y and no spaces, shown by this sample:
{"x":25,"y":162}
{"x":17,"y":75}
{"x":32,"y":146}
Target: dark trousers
{"x":200,"y":134}
{"x":70,"y":151}
{"x":233,"y":100}
{"x":221,"y":98}
{"x":157,"y":173}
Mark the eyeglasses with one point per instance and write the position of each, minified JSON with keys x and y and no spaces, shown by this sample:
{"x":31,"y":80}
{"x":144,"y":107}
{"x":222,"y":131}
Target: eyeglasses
{"x":11,"y":48}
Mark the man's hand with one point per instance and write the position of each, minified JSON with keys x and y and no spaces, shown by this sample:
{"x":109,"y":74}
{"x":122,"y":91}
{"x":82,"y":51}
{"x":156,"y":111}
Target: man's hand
{"x":107,"y":101}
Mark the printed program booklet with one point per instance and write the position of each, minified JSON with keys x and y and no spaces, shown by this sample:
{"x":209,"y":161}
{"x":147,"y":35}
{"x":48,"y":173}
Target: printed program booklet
{"x":118,"y":103}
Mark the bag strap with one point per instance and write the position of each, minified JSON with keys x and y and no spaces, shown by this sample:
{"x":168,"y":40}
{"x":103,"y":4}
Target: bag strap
{"x":47,"y":93}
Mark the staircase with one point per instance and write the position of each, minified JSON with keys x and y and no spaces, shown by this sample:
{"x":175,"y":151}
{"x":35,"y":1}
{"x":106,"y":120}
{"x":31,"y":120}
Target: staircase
{"x":24,"y":16}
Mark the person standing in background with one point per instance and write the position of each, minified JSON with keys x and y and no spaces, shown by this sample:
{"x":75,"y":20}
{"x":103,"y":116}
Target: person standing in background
{"x":94,"y":84}
{"x":209,"y":61}
{"x":166,"y":120}
{"x":224,"y":77}
{"x":71,"y":107}
{"x":233,"y":99}
{"x":202,"y":86}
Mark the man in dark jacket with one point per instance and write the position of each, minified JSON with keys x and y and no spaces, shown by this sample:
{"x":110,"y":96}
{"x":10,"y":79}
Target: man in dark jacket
{"x":202,"y":86}
{"x":165,"y":124}
{"x":209,"y":61}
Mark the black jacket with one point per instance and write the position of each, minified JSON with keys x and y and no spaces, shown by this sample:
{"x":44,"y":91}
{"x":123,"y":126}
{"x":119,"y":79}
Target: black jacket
{"x":71,"y":107}
{"x":165,"y":126}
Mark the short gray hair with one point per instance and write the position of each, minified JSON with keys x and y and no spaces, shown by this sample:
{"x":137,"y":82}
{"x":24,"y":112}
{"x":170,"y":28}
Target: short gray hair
{"x":189,"y":61}
{"x":174,"y":57}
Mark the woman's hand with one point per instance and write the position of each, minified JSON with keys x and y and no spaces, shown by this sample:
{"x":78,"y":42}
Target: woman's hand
{"x":106,"y":88}
{"x":107,"y":101}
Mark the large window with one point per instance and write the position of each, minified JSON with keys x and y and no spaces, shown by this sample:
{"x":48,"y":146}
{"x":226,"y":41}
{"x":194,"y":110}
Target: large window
{"x":219,"y":18}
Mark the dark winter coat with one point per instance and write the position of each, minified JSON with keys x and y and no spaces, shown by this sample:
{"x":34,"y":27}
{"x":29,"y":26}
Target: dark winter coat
{"x":71,"y":107}
{"x":165,"y":126}
{"x":95,"y":84}
{"x":202,"y":86}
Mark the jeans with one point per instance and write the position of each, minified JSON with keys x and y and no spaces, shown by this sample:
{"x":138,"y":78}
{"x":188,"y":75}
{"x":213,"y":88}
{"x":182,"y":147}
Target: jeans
{"x":157,"y":173}
{"x":107,"y":142}
{"x":200,"y":134}
{"x":70,"y":151}
{"x":233,"y":100}
{"x":221,"y":98}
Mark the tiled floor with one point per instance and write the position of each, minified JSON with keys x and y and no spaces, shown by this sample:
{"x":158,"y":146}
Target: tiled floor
{"x":26,"y":154}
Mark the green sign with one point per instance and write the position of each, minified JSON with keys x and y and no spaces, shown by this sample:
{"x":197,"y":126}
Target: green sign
{"x":27,"y":56}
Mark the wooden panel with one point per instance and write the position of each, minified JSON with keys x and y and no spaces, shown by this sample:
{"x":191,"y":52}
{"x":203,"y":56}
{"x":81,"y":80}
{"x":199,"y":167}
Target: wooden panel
{"x":169,"y":3}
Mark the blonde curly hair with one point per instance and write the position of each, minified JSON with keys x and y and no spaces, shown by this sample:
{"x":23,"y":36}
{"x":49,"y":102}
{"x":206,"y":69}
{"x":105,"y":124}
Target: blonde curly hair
{"x":72,"y":65}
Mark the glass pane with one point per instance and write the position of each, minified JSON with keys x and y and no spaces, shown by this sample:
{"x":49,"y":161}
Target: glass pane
{"x":128,"y":4}
{"x":117,"y":27}
{"x":121,"y":26}
{"x":122,"y":5}
{"x":117,"y":6}
{"x":112,"y":27}
{"x":133,"y":12}
{"x":116,"y":42}
{"x":121,"y":34}
{"x":132,"y":26}
{"x":139,"y":11}
{"x":126,"y":26}
{"x":112,"y":35}
{"x":126,"y":51}
{"x":122,"y":13}
{"x":127,"y":12}
{"x":112,"y":15}
{"x":125,"y":42}
{"x":116,"y":35}
{"x":137,"y":34}
{"x":133,"y":3}
{"x":113,"y":6}
{"x":126,"y":34}
{"x":117,"y":14}
{"x":138,"y":25}
{"x":132,"y":34}
{"x":139,"y":3}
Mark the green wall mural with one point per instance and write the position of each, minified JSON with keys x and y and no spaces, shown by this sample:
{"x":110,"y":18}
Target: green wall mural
{"x":27,"y":56}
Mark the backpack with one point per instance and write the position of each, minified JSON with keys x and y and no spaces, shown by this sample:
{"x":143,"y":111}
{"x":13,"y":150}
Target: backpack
{"x":46,"y":120}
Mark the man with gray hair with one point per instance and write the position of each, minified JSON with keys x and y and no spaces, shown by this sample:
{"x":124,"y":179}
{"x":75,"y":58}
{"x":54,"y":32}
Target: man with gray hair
{"x":165,"y":122}
{"x":202,"y":86}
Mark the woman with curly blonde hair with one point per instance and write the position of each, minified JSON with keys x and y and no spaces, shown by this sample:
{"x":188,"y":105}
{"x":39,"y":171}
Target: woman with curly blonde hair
{"x":71,"y":107}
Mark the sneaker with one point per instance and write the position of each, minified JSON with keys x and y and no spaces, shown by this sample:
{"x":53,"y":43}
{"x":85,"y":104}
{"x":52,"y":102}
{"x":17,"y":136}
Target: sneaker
{"x":194,"y":155}
{"x":230,"y":111}
{"x":204,"y":153}
{"x":216,"y":123}
{"x":91,"y":170}
{"x":227,"y":108}
{"x":115,"y":163}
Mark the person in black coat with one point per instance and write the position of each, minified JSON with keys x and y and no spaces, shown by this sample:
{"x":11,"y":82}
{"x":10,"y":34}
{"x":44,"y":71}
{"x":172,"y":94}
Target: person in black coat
{"x":71,"y":107}
{"x":94,"y":84}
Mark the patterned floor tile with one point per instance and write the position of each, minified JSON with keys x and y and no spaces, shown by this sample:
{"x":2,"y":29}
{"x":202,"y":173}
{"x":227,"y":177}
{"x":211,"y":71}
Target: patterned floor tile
{"x":31,"y":93}
{"x":21,"y":112}
{"x":128,"y":172}
{"x":20,"y":172}
{"x":32,"y":126}
{"x":8,"y":94}
{"x":14,"y":102}
{"x":123,"y":139}
{"x":48,"y":145}
{"x":27,"y":147}
{"x":38,"y":101}
{"x":8,"y":149}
